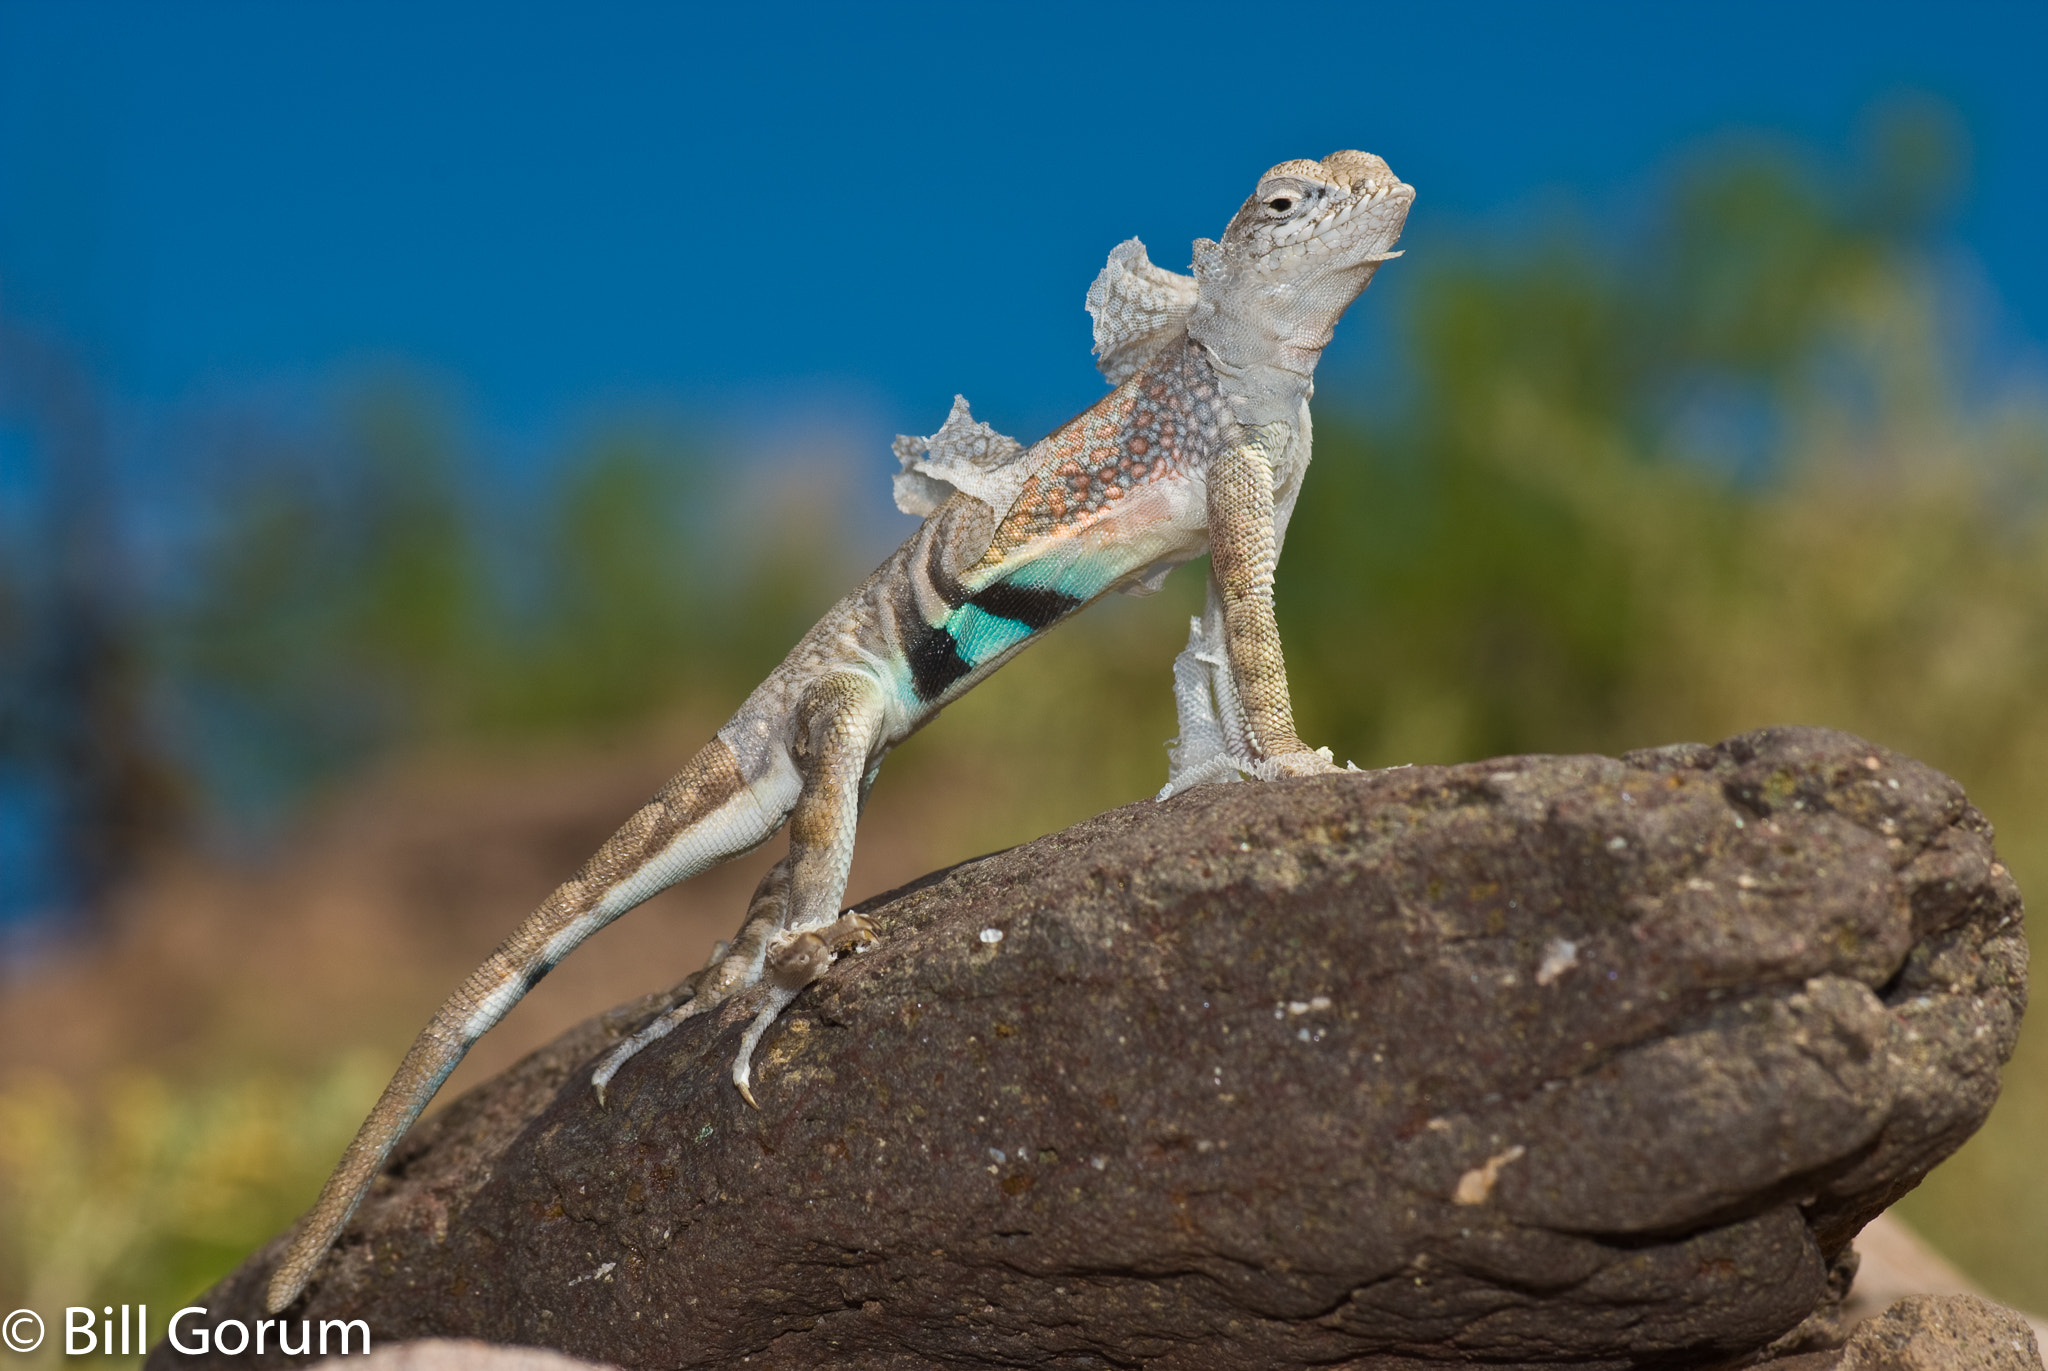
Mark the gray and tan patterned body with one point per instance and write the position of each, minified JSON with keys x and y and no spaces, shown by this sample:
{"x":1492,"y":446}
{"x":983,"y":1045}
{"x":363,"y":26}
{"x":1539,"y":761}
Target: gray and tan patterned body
{"x":1201,"y":447}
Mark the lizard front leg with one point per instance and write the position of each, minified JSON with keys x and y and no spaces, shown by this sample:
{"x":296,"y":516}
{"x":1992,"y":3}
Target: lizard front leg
{"x":1258,"y":714}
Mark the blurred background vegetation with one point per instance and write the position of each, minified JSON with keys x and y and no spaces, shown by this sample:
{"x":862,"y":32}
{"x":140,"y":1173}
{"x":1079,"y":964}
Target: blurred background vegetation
{"x":1735,"y":467}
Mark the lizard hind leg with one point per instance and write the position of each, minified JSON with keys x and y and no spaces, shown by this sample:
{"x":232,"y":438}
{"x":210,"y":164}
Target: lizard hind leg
{"x":792,"y":931}
{"x":701,"y":817}
{"x":735,"y":965}
{"x":840,"y":724}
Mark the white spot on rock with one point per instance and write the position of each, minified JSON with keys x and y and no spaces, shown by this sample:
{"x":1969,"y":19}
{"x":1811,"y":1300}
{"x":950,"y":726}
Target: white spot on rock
{"x":1477,"y":1184}
{"x":1561,"y":956}
{"x":991,"y":935}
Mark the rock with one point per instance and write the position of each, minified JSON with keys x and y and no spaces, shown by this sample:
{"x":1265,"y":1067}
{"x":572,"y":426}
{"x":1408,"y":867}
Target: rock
{"x":1894,"y":1262}
{"x":457,"y":1354}
{"x":1932,"y":1333}
{"x":1536,"y":1060}
{"x":1943,"y":1333}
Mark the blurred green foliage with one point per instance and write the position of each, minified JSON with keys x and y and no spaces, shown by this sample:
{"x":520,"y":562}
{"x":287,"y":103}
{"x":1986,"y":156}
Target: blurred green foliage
{"x":379,"y":595}
{"x":1716,"y":479}
{"x":145,"y":1191}
{"x":1731,"y":470}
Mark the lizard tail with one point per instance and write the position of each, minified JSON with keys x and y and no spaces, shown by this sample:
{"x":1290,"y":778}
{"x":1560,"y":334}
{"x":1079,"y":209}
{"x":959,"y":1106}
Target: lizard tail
{"x":706,"y":814}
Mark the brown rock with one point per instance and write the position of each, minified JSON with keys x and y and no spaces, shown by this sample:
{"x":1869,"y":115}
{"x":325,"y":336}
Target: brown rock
{"x":1526,"y":1061}
{"x":1933,"y":1333}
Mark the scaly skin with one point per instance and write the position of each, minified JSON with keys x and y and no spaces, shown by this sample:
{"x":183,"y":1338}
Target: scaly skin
{"x":1201,"y":447}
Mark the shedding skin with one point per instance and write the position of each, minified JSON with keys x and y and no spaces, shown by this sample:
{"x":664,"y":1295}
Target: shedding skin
{"x":1199,"y":448}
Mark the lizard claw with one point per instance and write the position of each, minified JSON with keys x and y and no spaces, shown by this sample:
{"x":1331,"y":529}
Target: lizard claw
{"x":779,"y":997}
{"x":847,"y":931}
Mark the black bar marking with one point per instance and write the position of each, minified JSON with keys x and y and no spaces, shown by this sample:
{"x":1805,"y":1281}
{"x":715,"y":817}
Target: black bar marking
{"x":935,"y":662}
{"x":1032,"y":606}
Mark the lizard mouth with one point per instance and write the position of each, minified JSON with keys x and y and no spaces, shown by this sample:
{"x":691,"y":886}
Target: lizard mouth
{"x":1365,"y":204}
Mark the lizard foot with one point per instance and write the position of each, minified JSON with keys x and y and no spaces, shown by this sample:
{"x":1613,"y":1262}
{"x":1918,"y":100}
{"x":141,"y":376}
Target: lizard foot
{"x":702,"y":991}
{"x":1320,"y":762}
{"x":1227,"y":766}
{"x":662,"y":1026}
{"x":794,"y":961}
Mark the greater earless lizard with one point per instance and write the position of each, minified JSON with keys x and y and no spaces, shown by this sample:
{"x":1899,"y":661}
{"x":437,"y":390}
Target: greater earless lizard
{"x":1201,"y":447}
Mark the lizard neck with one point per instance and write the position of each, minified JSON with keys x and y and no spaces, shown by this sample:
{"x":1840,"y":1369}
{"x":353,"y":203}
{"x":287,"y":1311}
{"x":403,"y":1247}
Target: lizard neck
{"x":1267,"y":390}
{"x":1263,"y":336}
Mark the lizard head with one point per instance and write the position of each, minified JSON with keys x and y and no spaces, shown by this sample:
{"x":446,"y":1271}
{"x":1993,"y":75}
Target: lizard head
{"x":1296,"y":255}
{"x":1341,"y":213}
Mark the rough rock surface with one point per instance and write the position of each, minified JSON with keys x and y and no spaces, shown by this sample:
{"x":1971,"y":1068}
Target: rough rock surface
{"x":1536,"y":1060}
{"x":1932,"y":1333}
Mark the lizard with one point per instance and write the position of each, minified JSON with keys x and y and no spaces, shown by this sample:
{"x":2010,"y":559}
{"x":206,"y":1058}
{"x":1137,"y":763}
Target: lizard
{"x":1200,"y":447}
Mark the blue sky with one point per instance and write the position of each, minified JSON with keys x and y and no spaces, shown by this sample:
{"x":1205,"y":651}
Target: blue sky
{"x":800,"y":229}
{"x":555,"y":211}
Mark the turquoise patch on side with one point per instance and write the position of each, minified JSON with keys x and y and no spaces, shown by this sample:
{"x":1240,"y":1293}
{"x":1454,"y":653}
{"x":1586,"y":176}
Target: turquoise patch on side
{"x":981,"y":635}
{"x":1083,"y":577}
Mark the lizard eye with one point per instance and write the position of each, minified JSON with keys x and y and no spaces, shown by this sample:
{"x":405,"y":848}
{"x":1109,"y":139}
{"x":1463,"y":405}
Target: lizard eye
{"x":1280,"y":204}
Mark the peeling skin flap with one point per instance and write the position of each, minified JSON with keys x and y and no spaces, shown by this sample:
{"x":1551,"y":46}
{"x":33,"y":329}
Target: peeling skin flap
{"x":1138,"y":309}
{"x":963,"y":455}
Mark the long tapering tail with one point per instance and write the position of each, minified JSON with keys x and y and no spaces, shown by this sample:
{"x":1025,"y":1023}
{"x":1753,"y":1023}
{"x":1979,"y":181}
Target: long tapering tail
{"x":706,"y":814}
